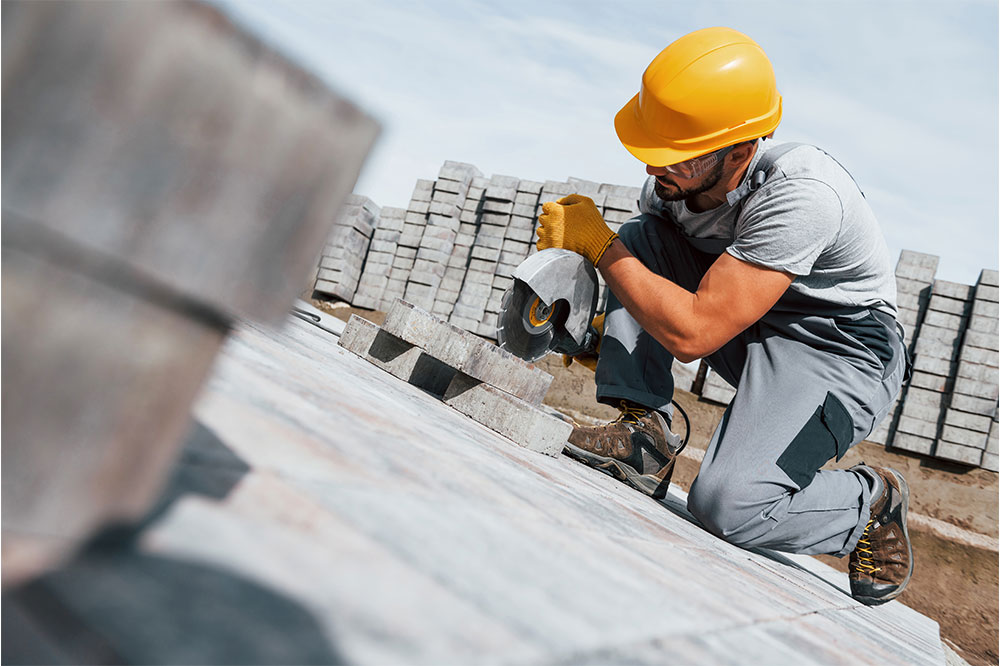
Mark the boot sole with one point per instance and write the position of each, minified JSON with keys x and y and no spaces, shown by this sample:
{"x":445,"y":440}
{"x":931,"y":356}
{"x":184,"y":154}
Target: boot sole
{"x":646,"y":484}
{"x":904,"y":490}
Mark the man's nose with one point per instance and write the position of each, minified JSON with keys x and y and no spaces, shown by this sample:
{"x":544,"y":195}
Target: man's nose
{"x":655,"y":171}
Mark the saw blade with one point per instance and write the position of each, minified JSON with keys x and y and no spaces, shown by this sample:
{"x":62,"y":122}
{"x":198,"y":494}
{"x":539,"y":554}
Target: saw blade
{"x":525,"y":326}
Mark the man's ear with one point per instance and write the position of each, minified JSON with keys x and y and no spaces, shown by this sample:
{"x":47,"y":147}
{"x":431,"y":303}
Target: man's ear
{"x":743,"y":152}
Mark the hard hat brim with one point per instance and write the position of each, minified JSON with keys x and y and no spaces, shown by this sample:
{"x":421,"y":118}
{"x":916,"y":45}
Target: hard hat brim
{"x":646,"y":147}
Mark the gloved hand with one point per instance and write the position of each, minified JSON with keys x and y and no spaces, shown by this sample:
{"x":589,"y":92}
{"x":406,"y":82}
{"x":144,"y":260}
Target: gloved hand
{"x":574,"y":223}
{"x":589,"y":359}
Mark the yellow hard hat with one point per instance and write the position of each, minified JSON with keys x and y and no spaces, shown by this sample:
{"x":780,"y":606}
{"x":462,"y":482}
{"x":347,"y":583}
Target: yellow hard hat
{"x":708,"y":90}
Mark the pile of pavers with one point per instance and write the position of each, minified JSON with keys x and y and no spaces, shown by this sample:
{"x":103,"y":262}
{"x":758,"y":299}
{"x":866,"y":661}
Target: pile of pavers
{"x":477,"y":378}
{"x":453,"y":250}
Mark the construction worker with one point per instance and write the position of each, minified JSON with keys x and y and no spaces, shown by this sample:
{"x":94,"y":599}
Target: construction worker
{"x":767,"y":262}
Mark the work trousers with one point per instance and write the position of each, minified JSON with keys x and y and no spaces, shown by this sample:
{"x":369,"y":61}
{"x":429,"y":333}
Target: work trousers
{"x":812,"y":380}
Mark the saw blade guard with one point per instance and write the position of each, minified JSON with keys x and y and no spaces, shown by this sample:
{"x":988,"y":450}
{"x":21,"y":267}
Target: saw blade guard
{"x":561,"y":280}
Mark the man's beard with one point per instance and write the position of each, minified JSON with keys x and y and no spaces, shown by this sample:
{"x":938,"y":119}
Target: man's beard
{"x":677,"y":194}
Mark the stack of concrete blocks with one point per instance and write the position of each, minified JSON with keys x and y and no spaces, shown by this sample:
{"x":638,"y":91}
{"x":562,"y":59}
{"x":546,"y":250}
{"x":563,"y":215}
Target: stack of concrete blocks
{"x":477,"y":378}
{"x":378,"y":263}
{"x":914,"y":276}
{"x":458,"y":262}
{"x":344,"y":253}
{"x":935,"y":357}
{"x":971,"y":414}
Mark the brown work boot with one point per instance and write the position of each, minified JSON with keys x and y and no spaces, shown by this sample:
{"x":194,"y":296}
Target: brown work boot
{"x":636,"y":448}
{"x":882,"y":563}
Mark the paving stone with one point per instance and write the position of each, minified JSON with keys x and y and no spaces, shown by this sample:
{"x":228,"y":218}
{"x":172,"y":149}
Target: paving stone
{"x":966,"y":386}
{"x":963,"y":436}
{"x":927,"y":345}
{"x":529,"y":187}
{"x":956,"y":290}
{"x":978,"y":372}
{"x":978,"y":355}
{"x":485,"y":253}
{"x":917,"y":397}
{"x":914,"y":272}
{"x":958,"y":453}
{"x":930,"y":382}
{"x":946,"y":336}
{"x":917,"y":287}
{"x":523,"y":210}
{"x":981,"y":340}
{"x":464,"y":323}
{"x":917,"y":427}
{"x":913,"y":409}
{"x":983,"y":308}
{"x":508,"y":415}
{"x":463,"y":352}
{"x":986,"y":293}
{"x":932,"y":365}
{"x":973,"y":404}
{"x":990,"y":462}
{"x":912,"y":443}
{"x":622,"y":191}
{"x":991,"y":439}
{"x":988,"y":277}
{"x":983,"y":324}
{"x":944,"y":320}
{"x":976,"y":422}
{"x":519,"y":235}
{"x":921,"y":259}
{"x":418,"y":207}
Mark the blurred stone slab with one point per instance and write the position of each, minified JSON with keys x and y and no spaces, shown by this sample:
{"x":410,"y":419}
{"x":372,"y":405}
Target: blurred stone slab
{"x":165,"y":174}
{"x":162,"y":134}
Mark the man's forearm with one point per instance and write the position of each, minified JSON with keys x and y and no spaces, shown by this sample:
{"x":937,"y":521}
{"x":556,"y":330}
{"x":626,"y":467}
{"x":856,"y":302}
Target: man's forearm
{"x":664,"y":309}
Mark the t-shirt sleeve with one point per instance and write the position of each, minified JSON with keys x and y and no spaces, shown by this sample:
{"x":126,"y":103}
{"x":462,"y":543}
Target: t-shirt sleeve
{"x":786,"y":226}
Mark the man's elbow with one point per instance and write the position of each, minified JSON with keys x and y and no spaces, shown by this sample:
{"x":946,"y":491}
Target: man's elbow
{"x":686,"y":350}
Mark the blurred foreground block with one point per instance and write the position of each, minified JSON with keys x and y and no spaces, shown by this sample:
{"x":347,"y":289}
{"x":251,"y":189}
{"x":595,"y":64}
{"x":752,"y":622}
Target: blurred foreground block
{"x":165,"y":174}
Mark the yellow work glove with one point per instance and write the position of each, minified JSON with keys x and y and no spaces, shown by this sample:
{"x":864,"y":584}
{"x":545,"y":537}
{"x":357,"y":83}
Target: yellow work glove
{"x":574,"y":223}
{"x":589,"y":359}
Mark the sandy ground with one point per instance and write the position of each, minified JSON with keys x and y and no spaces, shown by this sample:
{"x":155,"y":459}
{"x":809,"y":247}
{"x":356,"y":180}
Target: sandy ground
{"x":955,"y":579}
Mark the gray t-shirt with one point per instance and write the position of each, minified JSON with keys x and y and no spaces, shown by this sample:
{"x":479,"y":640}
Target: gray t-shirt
{"x":809,"y":219}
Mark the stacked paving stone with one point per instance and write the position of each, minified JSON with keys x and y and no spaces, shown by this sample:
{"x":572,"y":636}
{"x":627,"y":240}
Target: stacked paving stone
{"x":914,"y":276}
{"x":378,"y":263}
{"x":935,"y":356}
{"x":972,"y":411}
{"x":340,"y":267}
{"x":477,"y":378}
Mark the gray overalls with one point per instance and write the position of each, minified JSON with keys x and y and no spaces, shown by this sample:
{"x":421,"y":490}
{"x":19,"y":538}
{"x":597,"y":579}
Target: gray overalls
{"x":813,"y":379}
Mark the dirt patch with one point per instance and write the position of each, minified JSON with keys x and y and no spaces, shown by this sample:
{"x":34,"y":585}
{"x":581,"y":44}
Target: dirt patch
{"x":953,"y":583}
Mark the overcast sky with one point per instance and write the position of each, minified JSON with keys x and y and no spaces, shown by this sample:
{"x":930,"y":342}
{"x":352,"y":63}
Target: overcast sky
{"x":904,"y":94}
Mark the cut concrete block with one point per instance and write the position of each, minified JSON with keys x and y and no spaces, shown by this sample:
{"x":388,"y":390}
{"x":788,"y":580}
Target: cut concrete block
{"x":466,"y":353}
{"x":916,"y":287}
{"x":508,"y":415}
{"x":914,"y":272}
{"x":912,"y":443}
{"x":928,"y":346}
{"x":983,"y":324}
{"x":958,"y":453}
{"x":944,"y":320}
{"x":982,"y":308}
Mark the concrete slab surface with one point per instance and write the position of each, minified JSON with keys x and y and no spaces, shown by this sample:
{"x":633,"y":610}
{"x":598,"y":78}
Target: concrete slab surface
{"x":327,"y":512}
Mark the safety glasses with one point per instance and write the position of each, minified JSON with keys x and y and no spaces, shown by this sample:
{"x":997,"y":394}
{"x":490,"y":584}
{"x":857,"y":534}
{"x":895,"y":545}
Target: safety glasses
{"x":696,"y":166}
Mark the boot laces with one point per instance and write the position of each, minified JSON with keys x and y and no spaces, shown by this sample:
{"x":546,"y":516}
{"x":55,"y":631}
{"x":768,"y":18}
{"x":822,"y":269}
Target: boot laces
{"x":866,"y":561}
{"x":630,"y":412}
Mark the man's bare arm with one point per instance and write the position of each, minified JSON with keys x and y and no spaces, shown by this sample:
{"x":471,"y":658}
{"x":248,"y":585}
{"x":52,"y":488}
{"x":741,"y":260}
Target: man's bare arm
{"x":733,"y":294}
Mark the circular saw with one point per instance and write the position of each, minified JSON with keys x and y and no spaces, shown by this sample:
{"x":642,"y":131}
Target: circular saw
{"x":549,"y":306}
